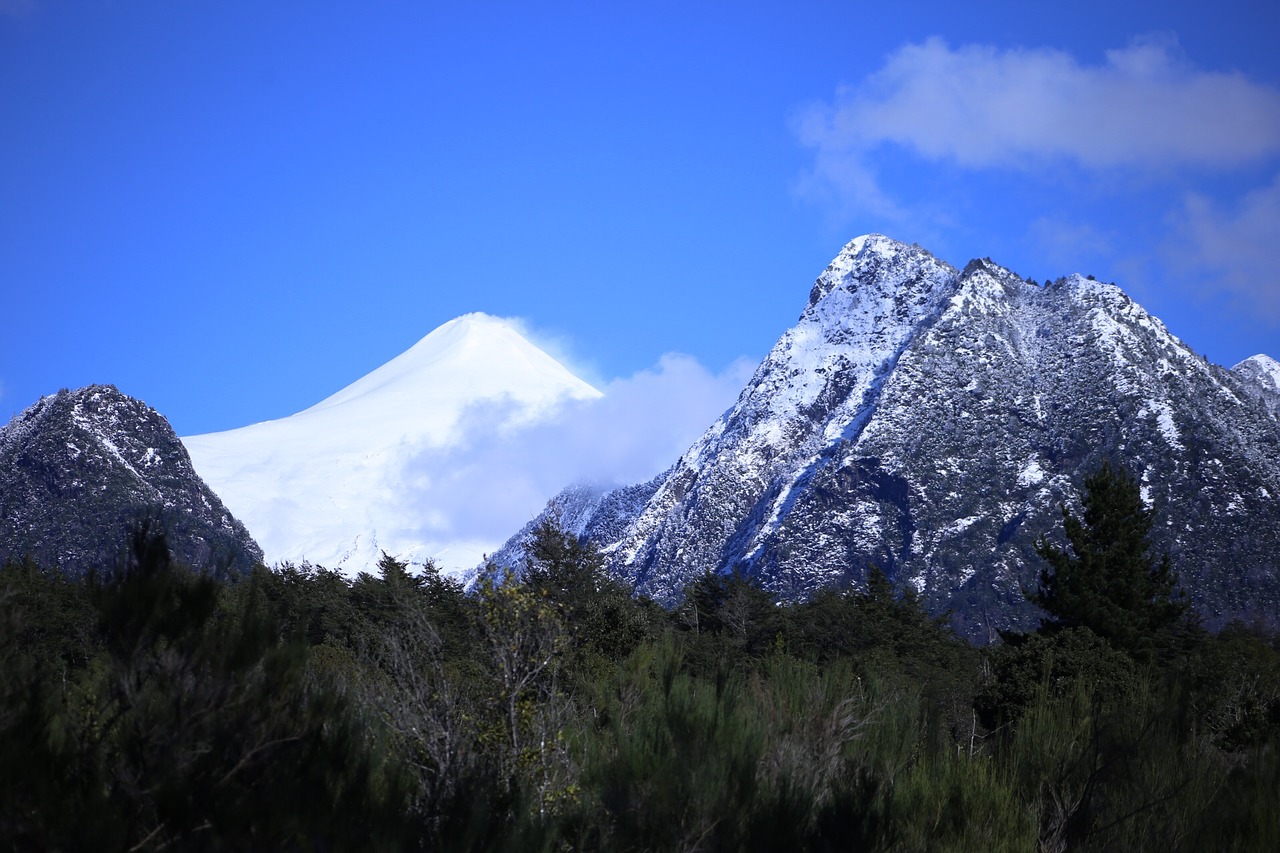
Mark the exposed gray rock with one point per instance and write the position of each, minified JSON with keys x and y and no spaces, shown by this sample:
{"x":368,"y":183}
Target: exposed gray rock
{"x":1262,"y":379}
{"x":932,"y":421}
{"x":79,"y":468}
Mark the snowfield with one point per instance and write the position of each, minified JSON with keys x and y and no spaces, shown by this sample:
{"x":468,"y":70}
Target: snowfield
{"x":326,"y":485}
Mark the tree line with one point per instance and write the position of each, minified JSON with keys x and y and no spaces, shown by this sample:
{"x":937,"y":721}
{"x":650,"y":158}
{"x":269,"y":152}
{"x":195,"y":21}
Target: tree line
{"x":153,"y":707}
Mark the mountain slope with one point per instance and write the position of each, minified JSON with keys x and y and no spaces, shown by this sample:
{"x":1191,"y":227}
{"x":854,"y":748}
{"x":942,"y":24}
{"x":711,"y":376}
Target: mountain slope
{"x":932,"y":421}
{"x":1261,"y":374}
{"x":809,"y":394}
{"x":79,"y":468}
{"x":328,"y":484}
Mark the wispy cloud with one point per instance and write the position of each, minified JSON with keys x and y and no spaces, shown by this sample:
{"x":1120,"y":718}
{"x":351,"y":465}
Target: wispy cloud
{"x":1235,"y":248}
{"x":486,"y":488}
{"x":979,"y":107}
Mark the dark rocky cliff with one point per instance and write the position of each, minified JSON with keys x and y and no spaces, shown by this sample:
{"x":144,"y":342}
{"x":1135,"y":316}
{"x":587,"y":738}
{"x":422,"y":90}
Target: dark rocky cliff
{"x":80,"y":468}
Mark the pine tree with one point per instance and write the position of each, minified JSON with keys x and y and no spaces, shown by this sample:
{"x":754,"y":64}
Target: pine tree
{"x":1109,"y":581}
{"x":598,"y":610}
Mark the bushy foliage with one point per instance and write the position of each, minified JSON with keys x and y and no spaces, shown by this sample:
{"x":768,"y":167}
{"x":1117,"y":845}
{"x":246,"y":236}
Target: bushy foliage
{"x":727,"y":618}
{"x":604,"y":622}
{"x":1026,"y":668}
{"x":171,"y":722}
{"x":552,"y":711}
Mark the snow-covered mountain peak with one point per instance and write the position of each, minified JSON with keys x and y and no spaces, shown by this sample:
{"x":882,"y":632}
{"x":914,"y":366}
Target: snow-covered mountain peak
{"x":870,"y":259}
{"x":809,"y":395}
{"x":877,"y":244}
{"x":1261,"y":375}
{"x":933,"y":422}
{"x":475,"y":355}
{"x":862,"y":310}
{"x":857,"y":244}
{"x":881,"y":275}
{"x":987,"y":288}
{"x":329,"y":483}
{"x":1091,"y":293}
{"x":1260,"y":368}
{"x":1122,"y":328}
{"x":79,"y":468}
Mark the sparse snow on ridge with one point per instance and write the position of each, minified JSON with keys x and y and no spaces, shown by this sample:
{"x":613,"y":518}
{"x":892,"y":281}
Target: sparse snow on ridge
{"x":1031,"y":473}
{"x":1263,"y":368}
{"x":326,"y":484}
{"x":79,"y":468}
{"x":1261,"y":375}
{"x":933,"y":422}
{"x":808,"y":396}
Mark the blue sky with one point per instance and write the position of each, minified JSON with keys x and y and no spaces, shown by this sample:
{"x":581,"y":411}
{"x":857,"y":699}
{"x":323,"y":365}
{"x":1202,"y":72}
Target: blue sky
{"x":232,"y":209}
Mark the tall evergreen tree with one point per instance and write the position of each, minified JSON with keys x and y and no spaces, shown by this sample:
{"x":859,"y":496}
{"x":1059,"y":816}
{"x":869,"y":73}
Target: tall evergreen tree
{"x":601,"y":616}
{"x":1109,"y":581}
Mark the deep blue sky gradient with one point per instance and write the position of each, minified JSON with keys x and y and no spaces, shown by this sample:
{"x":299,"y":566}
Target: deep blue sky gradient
{"x":232,"y":209}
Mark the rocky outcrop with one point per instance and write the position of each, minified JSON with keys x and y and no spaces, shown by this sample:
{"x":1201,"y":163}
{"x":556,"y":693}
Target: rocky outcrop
{"x":933,"y":421}
{"x":79,"y":469}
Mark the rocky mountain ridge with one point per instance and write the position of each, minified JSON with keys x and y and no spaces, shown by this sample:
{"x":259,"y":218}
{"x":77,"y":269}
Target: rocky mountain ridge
{"x":79,"y":469}
{"x":932,"y":421}
{"x":1262,"y":377}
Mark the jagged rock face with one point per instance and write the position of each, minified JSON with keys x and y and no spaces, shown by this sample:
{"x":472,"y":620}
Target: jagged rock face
{"x":593,"y":512}
{"x":991,"y":420}
{"x":1262,"y":379}
{"x":80,"y":468}
{"x":719,"y":504}
{"x":933,"y":421}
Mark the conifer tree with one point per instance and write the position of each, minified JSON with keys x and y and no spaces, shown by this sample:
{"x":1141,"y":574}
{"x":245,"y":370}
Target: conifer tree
{"x":597,"y":609}
{"x":1109,"y":581}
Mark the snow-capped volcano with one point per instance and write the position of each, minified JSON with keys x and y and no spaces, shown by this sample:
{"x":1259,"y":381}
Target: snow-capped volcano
{"x":327,"y":484}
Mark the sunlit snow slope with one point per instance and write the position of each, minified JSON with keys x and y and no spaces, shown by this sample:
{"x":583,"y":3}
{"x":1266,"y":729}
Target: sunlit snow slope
{"x":326,"y":485}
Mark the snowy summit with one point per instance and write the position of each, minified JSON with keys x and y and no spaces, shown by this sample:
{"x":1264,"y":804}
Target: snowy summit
{"x":932,"y":421}
{"x":326,"y":485}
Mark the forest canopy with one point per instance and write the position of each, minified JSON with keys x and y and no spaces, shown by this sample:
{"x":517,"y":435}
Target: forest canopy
{"x":548,"y":708}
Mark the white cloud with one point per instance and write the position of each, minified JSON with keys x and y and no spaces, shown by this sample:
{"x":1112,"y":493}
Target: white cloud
{"x":560,"y":347}
{"x":981,"y":107}
{"x":488,"y":487}
{"x":1237,"y":250}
